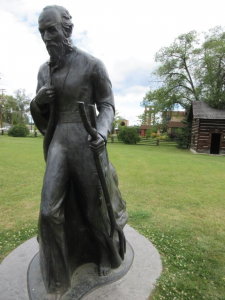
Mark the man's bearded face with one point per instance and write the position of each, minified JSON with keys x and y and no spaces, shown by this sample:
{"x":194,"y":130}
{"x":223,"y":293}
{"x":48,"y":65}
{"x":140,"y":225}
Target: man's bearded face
{"x":56,"y":51}
{"x":52,"y":34}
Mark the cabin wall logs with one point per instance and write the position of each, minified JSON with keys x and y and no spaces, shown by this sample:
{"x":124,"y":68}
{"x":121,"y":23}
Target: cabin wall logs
{"x":202,"y":130}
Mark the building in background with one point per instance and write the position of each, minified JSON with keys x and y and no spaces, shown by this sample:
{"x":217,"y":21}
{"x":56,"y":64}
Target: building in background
{"x":168,"y":121}
{"x":149,"y":119}
{"x":123,"y":122}
{"x":173,"y":121}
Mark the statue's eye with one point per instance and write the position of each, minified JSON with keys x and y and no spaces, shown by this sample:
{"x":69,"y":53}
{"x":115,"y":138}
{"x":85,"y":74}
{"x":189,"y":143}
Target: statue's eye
{"x":52,"y":29}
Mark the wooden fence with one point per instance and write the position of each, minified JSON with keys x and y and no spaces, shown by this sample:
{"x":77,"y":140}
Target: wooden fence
{"x":146,"y":142}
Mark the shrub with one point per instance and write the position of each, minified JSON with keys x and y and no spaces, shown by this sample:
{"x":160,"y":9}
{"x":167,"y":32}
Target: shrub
{"x":154,"y":135}
{"x":128,"y":135}
{"x":159,"y":137}
{"x":172,"y":136}
{"x":19,"y":130}
{"x":148,"y":133}
{"x":183,"y":136}
{"x":165,"y":137}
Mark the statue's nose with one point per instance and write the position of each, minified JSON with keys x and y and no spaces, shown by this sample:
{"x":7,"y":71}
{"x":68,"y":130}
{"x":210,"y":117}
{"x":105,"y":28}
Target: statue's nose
{"x":46,"y":37}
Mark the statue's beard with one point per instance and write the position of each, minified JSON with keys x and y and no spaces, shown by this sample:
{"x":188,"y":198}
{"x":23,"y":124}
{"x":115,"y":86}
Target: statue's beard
{"x":57,"y":51}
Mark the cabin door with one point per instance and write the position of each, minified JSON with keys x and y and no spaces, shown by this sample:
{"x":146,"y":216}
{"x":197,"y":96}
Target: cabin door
{"x":215,"y":143}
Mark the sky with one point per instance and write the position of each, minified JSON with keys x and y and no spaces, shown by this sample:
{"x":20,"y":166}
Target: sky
{"x":124,"y":34}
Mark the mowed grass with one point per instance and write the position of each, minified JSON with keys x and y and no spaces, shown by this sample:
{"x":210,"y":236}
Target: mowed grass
{"x":174,"y":198}
{"x":21,"y":175}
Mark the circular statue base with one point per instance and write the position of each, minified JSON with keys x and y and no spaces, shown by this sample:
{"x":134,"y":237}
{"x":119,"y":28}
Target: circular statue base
{"x":84,"y":280}
{"x":137,"y":284}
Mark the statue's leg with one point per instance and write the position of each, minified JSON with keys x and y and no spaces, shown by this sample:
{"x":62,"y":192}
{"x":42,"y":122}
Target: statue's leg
{"x":88,"y":188}
{"x":93,"y":208}
{"x":86,"y":180}
{"x":53,"y":250}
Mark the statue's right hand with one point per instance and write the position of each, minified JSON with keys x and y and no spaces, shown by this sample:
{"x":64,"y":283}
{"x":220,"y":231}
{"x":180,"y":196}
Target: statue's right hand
{"x":46,"y":94}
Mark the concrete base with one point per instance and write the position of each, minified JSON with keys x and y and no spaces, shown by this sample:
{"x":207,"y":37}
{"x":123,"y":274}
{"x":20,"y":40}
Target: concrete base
{"x":137,"y":284}
{"x":84,"y":280}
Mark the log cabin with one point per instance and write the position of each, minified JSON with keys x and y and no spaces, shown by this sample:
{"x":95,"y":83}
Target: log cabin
{"x":208,"y":129}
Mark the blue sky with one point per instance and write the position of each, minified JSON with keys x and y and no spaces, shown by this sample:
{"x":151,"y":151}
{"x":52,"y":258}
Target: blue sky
{"x":124,"y":34}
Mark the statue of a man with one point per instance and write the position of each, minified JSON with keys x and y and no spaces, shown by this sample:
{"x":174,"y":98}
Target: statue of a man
{"x":74,"y":225}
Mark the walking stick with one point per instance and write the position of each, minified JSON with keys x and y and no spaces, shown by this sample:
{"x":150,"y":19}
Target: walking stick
{"x":91,"y":129}
{"x":51,"y":122}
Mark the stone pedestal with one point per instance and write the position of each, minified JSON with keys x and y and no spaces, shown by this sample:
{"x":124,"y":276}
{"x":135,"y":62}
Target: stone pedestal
{"x":136,"y":284}
{"x":84,"y":280}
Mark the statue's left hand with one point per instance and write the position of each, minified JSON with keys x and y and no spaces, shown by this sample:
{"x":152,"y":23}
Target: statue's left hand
{"x":98,"y":145}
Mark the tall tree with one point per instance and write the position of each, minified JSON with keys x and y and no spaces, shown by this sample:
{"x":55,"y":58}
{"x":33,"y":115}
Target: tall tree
{"x":212,"y":69}
{"x":23,"y":101}
{"x":9,"y":109}
{"x":188,"y":71}
{"x":16,"y":108}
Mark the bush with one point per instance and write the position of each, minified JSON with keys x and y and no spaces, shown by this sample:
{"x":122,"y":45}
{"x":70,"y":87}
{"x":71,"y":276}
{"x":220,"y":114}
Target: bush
{"x":165,"y":137}
{"x":159,"y":137}
{"x":128,"y":135}
{"x":19,"y":130}
{"x":148,"y":133}
{"x":172,"y":136}
{"x":183,"y":136}
{"x":154,"y":135}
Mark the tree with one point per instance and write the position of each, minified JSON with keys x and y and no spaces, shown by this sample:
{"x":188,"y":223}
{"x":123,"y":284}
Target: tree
{"x":116,"y":121}
{"x":188,"y":71}
{"x":176,"y":74}
{"x":212,"y":69}
{"x":23,"y":107}
{"x":16,"y":108}
{"x":9,"y":108}
{"x":128,"y":135}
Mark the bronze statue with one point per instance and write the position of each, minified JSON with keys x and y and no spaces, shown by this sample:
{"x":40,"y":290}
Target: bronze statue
{"x":76,"y":223}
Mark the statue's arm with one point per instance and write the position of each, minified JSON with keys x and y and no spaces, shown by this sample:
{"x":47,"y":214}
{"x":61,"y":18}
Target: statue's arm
{"x":40,"y":112}
{"x":104,"y":100}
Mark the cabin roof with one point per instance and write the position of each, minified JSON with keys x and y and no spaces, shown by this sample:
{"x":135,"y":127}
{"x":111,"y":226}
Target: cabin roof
{"x":201,"y":110}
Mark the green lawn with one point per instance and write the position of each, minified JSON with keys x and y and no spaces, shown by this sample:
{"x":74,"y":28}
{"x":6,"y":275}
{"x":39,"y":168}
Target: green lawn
{"x":174,"y":198}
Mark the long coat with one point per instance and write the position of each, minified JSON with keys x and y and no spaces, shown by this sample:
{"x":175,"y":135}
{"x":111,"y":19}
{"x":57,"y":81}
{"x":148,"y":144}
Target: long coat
{"x":84,"y":78}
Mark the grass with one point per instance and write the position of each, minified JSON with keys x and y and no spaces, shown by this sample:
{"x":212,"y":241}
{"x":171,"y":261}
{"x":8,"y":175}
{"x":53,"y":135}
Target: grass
{"x":21,"y":173}
{"x":174,"y":198}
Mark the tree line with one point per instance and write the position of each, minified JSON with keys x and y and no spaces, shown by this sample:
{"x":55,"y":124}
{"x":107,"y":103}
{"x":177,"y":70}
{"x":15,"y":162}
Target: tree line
{"x":16,"y":108}
{"x":192,"y":68}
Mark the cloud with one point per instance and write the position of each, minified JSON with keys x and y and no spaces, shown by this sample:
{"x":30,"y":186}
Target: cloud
{"x":130,"y":73}
{"x":128,"y":103}
{"x":125,"y":35}
{"x":21,"y":54}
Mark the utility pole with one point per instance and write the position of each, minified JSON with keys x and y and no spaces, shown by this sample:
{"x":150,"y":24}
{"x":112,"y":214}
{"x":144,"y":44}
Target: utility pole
{"x":2,"y":105}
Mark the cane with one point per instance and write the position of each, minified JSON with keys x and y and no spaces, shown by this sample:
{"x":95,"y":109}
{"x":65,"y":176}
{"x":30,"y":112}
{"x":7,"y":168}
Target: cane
{"x":51,"y":122}
{"x":91,"y":129}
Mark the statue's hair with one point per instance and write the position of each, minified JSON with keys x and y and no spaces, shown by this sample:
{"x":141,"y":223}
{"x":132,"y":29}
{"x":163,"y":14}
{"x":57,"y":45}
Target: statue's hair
{"x":66,"y":19}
